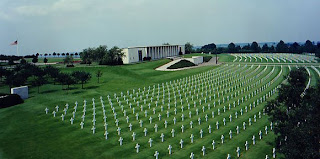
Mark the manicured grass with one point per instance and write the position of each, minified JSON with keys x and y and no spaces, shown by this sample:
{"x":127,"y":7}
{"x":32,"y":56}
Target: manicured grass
{"x":26,"y":132}
{"x":181,"y":64}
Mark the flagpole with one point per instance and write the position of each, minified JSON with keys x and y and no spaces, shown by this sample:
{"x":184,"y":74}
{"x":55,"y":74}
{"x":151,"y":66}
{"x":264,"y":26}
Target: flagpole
{"x":17,"y":47}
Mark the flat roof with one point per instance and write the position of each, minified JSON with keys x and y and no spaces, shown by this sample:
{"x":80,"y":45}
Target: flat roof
{"x":151,"y":46}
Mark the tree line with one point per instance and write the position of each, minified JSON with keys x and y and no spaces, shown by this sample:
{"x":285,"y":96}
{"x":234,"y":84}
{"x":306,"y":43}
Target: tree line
{"x":102,"y":55}
{"x":254,"y":47}
{"x":33,"y":75}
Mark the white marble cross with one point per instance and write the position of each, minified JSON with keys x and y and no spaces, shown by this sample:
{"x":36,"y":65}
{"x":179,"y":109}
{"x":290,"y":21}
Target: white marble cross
{"x":150,"y":142}
{"x":133,"y":136}
{"x":238,"y":152}
{"x":169,"y":149}
{"x":145,"y":131}
{"x":156,"y":154}
{"x":81,"y":124}
{"x":46,"y":110}
{"x":222,"y":139}
{"x":162,"y":137}
{"x":172,"y":132}
{"x":203,"y":150}
{"x":137,"y":147}
{"x":213,"y":144}
{"x":119,"y":130}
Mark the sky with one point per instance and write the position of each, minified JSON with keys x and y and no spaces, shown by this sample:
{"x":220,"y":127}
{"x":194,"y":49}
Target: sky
{"x":46,"y":26}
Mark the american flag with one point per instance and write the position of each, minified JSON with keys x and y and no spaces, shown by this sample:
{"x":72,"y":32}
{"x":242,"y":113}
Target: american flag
{"x":14,"y":43}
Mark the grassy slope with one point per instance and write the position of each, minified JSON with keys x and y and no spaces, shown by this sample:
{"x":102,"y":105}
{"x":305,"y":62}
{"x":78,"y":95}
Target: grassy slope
{"x":27,"y":133}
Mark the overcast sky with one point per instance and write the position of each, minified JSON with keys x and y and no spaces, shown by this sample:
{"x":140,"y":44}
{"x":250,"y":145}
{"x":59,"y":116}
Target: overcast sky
{"x":46,"y":26}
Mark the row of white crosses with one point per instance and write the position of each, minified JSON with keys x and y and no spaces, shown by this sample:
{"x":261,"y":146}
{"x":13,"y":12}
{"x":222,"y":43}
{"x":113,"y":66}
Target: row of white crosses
{"x":274,"y":58}
{"x":172,"y":131}
{"x":181,"y":142}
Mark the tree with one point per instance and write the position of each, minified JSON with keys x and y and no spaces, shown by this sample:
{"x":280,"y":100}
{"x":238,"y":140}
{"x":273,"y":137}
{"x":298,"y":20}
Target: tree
{"x":45,"y":60}
{"x":54,"y":53}
{"x":35,"y":59}
{"x":37,"y":54}
{"x":309,"y":47}
{"x":68,"y":59}
{"x":76,"y":54}
{"x":282,"y":47}
{"x":295,"y":48}
{"x":58,"y":54}
{"x":255,"y":47}
{"x":113,"y":57}
{"x":231,"y":48}
{"x":38,"y":81}
{"x":67,"y":54}
{"x":99,"y":74}
{"x":188,"y":48}
{"x":65,"y":79}
{"x":81,"y":76}
{"x":272,"y":49}
{"x":3,"y":72}
{"x":23,"y":61}
{"x":10,"y":61}
{"x":265,"y":48}
{"x":209,"y":48}
{"x":63,"y":54}
{"x":166,"y":43}
{"x":45,"y":54}
{"x":296,"y":117}
{"x":51,"y":71}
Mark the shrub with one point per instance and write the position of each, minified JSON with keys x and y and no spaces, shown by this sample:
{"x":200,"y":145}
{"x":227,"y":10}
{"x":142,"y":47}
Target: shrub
{"x":181,"y":64}
{"x":146,"y":58}
{"x":70,"y":65}
{"x":207,"y":58}
{"x":8,"y":100}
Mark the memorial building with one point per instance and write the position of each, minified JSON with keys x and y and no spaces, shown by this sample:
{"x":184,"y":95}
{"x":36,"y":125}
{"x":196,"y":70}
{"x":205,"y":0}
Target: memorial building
{"x":137,"y":54}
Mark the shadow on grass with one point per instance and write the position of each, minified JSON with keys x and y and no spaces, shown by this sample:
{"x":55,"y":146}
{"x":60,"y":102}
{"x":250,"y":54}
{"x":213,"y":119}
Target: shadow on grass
{"x":91,"y":87}
{"x":49,"y":91}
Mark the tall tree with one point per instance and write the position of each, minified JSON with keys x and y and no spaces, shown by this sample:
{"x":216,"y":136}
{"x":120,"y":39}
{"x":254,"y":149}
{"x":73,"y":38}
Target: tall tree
{"x":35,"y":59}
{"x":255,"y":47}
{"x":188,"y":48}
{"x":282,"y":47}
{"x":68,"y":59}
{"x":265,"y":48}
{"x":295,"y":48}
{"x":309,"y":47}
{"x":99,"y":74}
{"x":231,"y":48}
{"x":45,"y":60}
{"x":209,"y":48}
{"x":81,"y":76}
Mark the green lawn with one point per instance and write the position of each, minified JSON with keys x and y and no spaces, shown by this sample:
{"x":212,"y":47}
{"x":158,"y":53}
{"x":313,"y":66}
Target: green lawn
{"x":27,"y":132}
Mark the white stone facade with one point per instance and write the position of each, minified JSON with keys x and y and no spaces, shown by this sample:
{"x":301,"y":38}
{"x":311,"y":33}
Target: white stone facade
{"x":136,"y":54}
{"x":196,"y":59}
{"x":21,"y":91}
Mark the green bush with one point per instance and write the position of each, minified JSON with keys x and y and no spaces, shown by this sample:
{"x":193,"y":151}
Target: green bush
{"x":8,"y":100}
{"x":181,"y":64}
{"x":207,"y":58}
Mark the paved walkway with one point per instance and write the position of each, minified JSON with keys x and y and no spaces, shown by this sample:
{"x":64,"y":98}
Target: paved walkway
{"x":164,"y":67}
